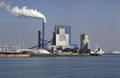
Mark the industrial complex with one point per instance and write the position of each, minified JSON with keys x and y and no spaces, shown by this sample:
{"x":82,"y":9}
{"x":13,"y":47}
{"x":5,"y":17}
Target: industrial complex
{"x":60,"y":44}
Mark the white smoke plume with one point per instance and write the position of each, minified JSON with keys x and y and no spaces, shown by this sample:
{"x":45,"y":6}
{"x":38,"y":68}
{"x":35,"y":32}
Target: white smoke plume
{"x":24,"y":11}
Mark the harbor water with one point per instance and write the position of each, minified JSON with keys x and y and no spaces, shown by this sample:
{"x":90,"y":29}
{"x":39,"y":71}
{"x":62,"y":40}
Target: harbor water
{"x":106,"y":66}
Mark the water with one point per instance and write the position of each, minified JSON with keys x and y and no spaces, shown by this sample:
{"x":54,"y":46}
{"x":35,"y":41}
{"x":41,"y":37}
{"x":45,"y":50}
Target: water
{"x":107,"y":66}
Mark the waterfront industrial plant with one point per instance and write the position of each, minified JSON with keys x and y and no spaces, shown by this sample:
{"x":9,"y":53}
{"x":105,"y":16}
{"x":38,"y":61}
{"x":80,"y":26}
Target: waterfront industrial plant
{"x":61,"y":43}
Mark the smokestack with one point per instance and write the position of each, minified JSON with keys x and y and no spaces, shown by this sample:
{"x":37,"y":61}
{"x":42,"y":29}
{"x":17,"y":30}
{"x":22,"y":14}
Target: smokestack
{"x":44,"y":44}
{"x":39,"y":39}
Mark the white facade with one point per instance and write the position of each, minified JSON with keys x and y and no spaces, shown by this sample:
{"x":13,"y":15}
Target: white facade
{"x":62,"y":39}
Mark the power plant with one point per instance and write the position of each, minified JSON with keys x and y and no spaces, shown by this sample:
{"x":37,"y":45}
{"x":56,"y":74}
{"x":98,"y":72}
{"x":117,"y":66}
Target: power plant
{"x":61,"y":41}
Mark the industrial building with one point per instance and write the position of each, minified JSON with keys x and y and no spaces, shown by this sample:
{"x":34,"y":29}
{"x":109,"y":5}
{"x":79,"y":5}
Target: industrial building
{"x":62,"y":35}
{"x":62,"y":39}
{"x":84,"y":43}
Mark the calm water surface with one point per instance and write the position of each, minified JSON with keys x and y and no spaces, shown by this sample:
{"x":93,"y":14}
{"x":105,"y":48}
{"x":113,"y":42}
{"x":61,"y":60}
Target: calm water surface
{"x":107,"y":66}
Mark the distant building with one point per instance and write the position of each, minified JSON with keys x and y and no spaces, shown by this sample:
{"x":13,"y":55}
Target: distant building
{"x":61,"y":41}
{"x":62,"y":35}
{"x":61,"y":38}
{"x":84,"y":42}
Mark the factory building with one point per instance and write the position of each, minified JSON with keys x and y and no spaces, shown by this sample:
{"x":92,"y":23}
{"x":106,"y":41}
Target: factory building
{"x":84,"y":42}
{"x":62,"y":35}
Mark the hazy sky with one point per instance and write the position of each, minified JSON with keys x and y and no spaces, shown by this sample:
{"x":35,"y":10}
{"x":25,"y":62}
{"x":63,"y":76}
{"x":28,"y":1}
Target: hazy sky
{"x":97,"y":18}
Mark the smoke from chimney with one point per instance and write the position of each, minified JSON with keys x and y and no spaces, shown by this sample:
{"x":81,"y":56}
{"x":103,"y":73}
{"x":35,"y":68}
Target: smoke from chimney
{"x":24,"y":11}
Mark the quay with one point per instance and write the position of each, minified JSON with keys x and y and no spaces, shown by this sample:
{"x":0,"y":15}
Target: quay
{"x":42,"y":55}
{"x":14,"y":55}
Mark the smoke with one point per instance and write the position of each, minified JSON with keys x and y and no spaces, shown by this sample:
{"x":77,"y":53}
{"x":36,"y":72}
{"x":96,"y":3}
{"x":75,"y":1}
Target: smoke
{"x":24,"y":11}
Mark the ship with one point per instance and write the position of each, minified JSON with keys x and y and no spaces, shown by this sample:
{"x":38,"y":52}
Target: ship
{"x":97,"y":52}
{"x":115,"y":52}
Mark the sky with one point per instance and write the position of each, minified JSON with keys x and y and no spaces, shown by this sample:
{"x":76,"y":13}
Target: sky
{"x":97,"y":18}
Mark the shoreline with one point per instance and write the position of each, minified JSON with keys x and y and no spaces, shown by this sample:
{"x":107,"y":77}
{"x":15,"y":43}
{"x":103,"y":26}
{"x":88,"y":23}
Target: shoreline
{"x":59,"y":55}
{"x":43,"y":55}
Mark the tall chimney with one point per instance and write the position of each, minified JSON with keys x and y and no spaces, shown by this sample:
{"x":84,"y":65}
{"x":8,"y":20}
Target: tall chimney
{"x":44,"y":44}
{"x":39,"y":39}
